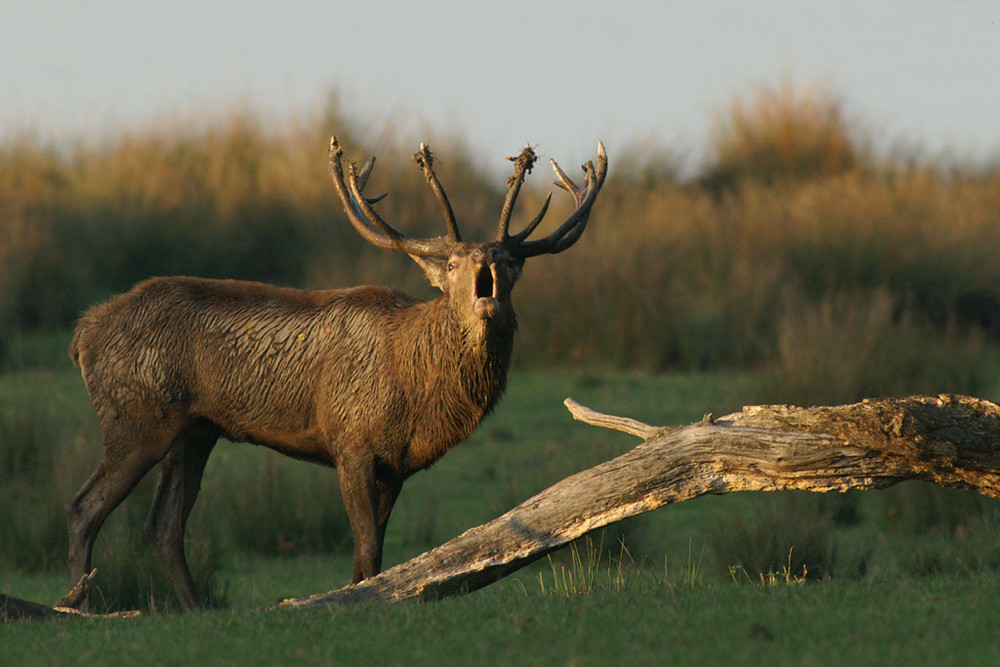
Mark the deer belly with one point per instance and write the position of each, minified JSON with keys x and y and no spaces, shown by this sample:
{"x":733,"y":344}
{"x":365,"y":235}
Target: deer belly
{"x":307,"y":445}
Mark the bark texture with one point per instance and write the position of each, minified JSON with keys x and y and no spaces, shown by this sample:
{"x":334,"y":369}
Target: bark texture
{"x":948,"y":440}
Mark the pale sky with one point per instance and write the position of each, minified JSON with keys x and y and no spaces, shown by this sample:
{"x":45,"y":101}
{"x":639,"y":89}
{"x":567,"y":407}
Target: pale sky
{"x":560,"y":75}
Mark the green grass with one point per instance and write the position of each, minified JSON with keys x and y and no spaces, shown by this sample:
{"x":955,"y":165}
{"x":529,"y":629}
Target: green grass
{"x":945,"y":620}
{"x":928,"y":588}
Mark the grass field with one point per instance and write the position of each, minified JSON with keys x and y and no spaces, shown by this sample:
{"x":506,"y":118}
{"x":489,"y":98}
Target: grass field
{"x":911,"y":574}
{"x":943,"y":620}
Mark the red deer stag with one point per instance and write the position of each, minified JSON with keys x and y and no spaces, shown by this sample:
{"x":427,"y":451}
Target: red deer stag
{"x":370,"y":381}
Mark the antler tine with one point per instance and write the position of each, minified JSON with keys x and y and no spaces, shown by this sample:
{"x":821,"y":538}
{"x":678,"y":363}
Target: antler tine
{"x":567,"y":184}
{"x":366,"y":221}
{"x":352,"y":203}
{"x":350,"y":206}
{"x":570,"y":231}
{"x":425,"y":160}
{"x":522,"y":165}
{"x":526,"y":232}
{"x":365,"y":171}
{"x":363,"y":179}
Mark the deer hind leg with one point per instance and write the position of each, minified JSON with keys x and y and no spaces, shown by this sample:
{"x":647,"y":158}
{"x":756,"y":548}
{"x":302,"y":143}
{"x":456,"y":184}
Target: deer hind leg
{"x":180,"y":480}
{"x":124,"y":462}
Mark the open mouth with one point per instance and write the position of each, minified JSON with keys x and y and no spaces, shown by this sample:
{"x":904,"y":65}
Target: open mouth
{"x":486,"y":286}
{"x":486,"y":305}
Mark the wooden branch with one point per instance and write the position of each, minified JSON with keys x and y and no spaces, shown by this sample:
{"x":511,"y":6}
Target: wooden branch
{"x":949,"y":440}
{"x":623,"y":424}
{"x":78,"y":594}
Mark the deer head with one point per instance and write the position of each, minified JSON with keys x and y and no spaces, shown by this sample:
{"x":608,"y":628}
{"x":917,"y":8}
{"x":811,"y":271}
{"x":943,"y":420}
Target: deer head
{"x":477,"y":278}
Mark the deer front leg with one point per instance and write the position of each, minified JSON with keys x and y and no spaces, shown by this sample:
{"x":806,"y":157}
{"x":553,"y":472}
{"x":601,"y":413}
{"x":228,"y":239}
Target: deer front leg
{"x":357,"y":485}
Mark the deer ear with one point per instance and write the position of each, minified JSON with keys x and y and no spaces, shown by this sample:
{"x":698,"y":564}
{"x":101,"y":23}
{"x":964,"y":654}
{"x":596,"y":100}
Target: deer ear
{"x":436,"y":270}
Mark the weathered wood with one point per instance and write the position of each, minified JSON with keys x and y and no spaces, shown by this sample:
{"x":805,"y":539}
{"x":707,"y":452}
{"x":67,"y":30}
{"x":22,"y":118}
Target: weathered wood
{"x":949,"y":440}
{"x":78,"y":594}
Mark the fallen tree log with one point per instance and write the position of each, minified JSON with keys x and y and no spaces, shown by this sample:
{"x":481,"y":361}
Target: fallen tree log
{"x":949,"y":440}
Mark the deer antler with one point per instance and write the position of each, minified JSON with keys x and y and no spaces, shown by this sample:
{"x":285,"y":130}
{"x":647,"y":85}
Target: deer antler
{"x":569,"y":231}
{"x":370,"y":224}
{"x":425,"y":160}
{"x":522,"y":165}
{"x":380,"y":233}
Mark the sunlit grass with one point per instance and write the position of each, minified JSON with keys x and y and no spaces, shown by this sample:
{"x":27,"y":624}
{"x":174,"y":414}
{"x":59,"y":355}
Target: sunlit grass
{"x":782,"y":132}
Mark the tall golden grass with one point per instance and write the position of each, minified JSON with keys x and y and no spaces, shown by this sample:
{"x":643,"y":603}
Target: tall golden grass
{"x":794,"y":241}
{"x":779,"y":133}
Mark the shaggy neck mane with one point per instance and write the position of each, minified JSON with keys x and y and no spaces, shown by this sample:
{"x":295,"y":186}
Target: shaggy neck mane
{"x":464,"y":373}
